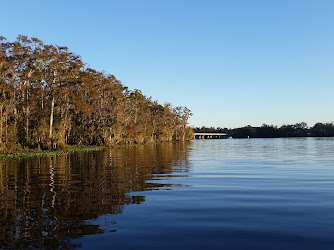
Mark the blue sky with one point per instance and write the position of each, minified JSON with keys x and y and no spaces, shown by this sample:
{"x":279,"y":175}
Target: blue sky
{"x":233,"y":63}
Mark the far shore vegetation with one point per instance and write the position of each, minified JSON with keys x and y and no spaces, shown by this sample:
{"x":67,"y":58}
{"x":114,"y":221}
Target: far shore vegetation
{"x":50,"y":100}
{"x":270,"y":131}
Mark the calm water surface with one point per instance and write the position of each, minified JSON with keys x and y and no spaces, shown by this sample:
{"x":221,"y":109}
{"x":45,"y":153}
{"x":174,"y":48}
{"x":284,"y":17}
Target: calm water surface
{"x":205,"y":194}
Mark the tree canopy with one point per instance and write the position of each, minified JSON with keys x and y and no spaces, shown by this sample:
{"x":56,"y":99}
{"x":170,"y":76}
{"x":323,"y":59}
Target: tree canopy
{"x":49,"y":98}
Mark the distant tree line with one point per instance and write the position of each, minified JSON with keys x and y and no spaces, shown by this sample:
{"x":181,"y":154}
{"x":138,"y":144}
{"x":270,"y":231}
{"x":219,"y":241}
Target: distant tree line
{"x":50,"y":99}
{"x":271,"y":131}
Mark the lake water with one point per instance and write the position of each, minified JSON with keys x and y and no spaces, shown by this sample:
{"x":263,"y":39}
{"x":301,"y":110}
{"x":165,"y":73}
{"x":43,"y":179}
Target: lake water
{"x":203,"y":194}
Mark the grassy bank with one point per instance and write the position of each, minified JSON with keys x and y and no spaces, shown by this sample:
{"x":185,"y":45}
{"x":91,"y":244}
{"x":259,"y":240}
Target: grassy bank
{"x":22,"y":154}
{"x":28,"y":154}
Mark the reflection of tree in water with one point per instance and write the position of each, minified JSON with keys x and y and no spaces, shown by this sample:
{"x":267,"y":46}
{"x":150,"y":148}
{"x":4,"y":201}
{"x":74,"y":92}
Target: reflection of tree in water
{"x":44,"y":202}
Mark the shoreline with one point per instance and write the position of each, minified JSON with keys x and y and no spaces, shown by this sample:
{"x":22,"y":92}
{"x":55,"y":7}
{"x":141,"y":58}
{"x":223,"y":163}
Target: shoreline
{"x":26,"y":154}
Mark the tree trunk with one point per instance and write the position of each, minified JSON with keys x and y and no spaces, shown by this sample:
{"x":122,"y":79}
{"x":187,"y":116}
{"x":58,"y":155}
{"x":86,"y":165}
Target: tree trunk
{"x":27,"y":124}
{"x":42,"y":101}
{"x":152,"y":136}
{"x":1,"y":124}
{"x":6,"y":129}
{"x":136,"y":116}
{"x":26,"y":97}
{"x":51,"y":116}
